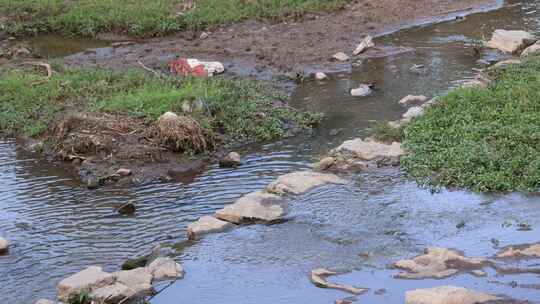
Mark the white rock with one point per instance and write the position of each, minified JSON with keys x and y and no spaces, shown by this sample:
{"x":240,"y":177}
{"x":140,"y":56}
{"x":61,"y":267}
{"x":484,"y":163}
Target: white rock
{"x":205,"y":225}
{"x":340,"y":56}
{"x":447,"y":295}
{"x":255,"y":206}
{"x":4,"y":245}
{"x":413,"y":112}
{"x":369,"y":150}
{"x":112,"y":294}
{"x":165,"y":269}
{"x":413,"y":99}
{"x":44,"y":301}
{"x":362,"y":91}
{"x":211,"y":67}
{"x":366,"y":43}
{"x":533,"y":50}
{"x":511,"y":41}
{"x":320,"y":76}
{"x":302,"y":182}
{"x":89,"y":279}
{"x":138,"y":279}
{"x":204,"y":35}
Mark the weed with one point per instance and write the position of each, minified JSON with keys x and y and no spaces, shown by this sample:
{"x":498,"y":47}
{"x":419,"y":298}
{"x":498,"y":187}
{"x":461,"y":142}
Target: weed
{"x":483,"y":139}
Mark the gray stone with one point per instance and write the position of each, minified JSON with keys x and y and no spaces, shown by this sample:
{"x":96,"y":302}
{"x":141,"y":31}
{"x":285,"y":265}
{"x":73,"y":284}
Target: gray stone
{"x":44,"y":301}
{"x":112,"y":294}
{"x":87,"y":280}
{"x":320,"y":76}
{"x":127,"y":209}
{"x":206,"y":225}
{"x":302,"y":182}
{"x":340,"y":56}
{"x":319,"y":278}
{"x":255,"y":206}
{"x":533,"y":50}
{"x":413,"y":99}
{"x":165,"y":269}
{"x":231,"y":160}
{"x":370,"y":150}
{"x":139,"y":280}
{"x":362,"y":91}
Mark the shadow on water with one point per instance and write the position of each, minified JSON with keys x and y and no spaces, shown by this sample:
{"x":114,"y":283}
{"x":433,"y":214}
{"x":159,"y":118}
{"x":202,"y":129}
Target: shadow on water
{"x":58,"y":227}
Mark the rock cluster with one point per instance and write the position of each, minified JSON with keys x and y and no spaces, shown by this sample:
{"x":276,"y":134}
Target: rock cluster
{"x":112,"y":288}
{"x":531,"y":251}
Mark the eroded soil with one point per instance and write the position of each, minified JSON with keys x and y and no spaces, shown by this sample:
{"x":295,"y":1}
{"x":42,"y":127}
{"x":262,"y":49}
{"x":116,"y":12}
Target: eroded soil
{"x":260,"y":49}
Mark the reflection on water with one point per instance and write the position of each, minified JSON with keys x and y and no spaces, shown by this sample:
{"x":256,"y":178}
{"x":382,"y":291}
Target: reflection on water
{"x":55,"y":46}
{"x":58,"y":227}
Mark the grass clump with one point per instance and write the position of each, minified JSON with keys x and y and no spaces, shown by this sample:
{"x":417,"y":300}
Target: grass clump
{"x":145,"y":18}
{"x":242,"y":110}
{"x":483,"y":139}
{"x":387,"y":133}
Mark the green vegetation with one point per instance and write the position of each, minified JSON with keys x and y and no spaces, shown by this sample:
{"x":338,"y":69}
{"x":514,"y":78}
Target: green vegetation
{"x":241,"y":109}
{"x":481,"y":139}
{"x":145,"y":18}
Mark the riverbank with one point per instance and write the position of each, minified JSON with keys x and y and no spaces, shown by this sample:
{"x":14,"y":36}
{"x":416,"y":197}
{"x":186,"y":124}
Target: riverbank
{"x":101,"y":121}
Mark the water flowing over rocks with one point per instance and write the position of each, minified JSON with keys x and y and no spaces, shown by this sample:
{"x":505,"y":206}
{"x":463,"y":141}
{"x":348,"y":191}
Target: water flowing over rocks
{"x":438,"y":263}
{"x":205,"y":225}
{"x":369,"y":149}
{"x":319,"y":278}
{"x":530,"y":251}
{"x":4,"y":245}
{"x":511,"y":41}
{"x":447,"y":295}
{"x":302,"y":182}
{"x":89,"y":279}
{"x":253,"y":207}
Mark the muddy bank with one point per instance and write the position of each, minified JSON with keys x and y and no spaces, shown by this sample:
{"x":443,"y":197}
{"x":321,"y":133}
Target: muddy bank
{"x":256,"y":48}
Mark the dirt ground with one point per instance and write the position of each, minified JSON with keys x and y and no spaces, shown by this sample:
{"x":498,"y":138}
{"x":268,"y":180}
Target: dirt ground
{"x":260,"y":49}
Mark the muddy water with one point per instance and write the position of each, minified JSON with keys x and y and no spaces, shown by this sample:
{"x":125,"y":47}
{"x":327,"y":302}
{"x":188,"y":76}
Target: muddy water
{"x":58,"y":227}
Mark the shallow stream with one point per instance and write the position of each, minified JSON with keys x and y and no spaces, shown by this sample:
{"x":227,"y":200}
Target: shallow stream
{"x":58,"y":227}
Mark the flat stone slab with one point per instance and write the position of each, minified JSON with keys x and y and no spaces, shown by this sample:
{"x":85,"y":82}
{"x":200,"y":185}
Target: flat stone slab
{"x":319,"y":277}
{"x":302,"y":182}
{"x":205,"y":225}
{"x":138,"y":279}
{"x":447,"y":295}
{"x":255,"y":206}
{"x":89,"y":279}
{"x":511,"y":41}
{"x":370,"y":150}
{"x":438,"y":263}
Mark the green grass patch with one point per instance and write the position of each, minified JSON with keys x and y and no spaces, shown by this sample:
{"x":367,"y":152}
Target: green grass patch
{"x":243,"y":110}
{"x":481,"y":139}
{"x":142,"y":17}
